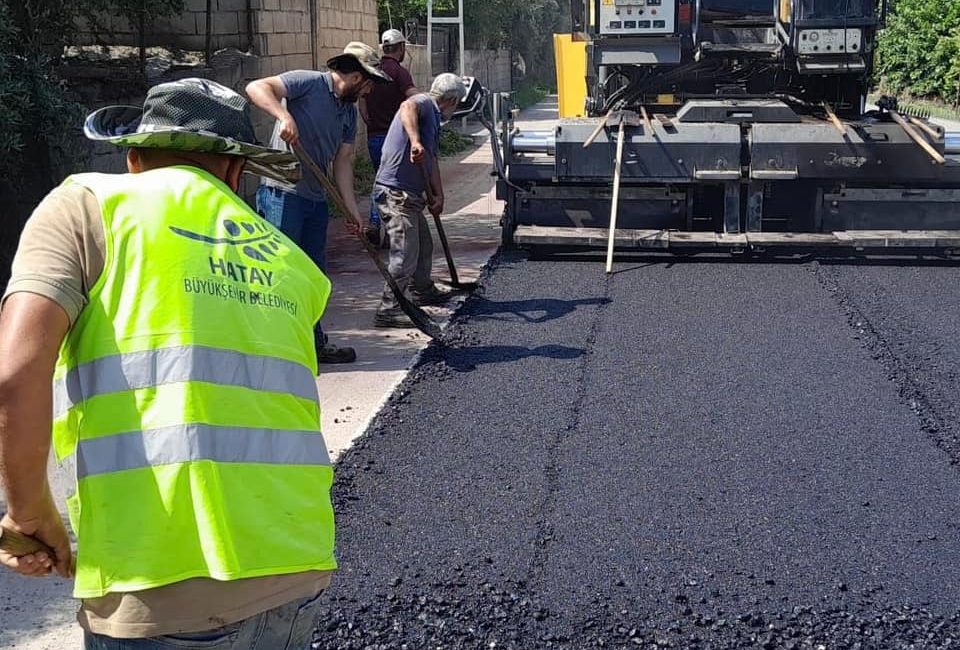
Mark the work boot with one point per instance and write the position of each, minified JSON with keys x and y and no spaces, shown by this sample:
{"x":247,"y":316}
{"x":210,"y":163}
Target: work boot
{"x":330,"y":353}
{"x":393,"y":317}
{"x":434,"y":296}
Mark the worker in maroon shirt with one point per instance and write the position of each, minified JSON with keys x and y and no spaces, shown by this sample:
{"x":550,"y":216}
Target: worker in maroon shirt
{"x":378,"y":109}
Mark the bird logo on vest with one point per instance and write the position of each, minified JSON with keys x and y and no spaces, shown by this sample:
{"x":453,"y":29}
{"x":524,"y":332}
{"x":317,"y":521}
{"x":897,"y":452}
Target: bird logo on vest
{"x":253,"y":238}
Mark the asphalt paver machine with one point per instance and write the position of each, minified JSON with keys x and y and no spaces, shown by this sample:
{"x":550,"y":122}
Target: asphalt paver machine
{"x":738,"y":125}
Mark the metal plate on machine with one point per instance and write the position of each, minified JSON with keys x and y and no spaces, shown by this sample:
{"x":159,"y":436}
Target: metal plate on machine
{"x":876,"y":152}
{"x":637,"y":17}
{"x":660,"y":50}
{"x":685,"y":152}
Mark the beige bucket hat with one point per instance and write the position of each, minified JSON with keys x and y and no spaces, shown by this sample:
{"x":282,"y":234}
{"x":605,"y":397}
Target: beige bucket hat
{"x":366,"y":56}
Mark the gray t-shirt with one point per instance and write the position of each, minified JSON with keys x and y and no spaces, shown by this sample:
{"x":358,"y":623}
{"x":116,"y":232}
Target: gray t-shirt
{"x":396,"y":170}
{"x":323,"y":120}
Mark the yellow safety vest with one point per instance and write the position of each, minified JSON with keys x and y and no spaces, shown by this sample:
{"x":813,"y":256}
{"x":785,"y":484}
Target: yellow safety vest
{"x":186,"y":393}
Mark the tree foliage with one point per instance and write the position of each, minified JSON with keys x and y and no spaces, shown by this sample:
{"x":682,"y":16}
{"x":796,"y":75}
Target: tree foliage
{"x":523,"y":26}
{"x":919,"y":51}
{"x":40,"y":122}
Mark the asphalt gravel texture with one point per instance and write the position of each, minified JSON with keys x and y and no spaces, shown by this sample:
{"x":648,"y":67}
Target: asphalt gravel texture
{"x":685,"y":454}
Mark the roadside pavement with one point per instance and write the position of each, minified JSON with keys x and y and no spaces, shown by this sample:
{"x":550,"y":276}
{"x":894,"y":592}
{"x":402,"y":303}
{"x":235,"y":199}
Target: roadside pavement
{"x":39,"y":614}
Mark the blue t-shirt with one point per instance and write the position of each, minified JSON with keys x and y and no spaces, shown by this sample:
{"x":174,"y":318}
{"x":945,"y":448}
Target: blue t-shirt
{"x":396,"y":170}
{"x":323,"y":120}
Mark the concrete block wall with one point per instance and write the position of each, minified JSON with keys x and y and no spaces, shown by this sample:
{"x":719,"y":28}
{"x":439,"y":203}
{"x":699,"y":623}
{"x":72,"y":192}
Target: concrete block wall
{"x":290,"y":34}
{"x":416,"y":63}
{"x":187,"y":31}
{"x":491,"y":67}
{"x":286,"y":35}
{"x":342,"y":21}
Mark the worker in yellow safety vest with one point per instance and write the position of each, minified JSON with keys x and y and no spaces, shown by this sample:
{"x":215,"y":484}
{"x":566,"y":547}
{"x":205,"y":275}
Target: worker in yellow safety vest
{"x":160,"y":334}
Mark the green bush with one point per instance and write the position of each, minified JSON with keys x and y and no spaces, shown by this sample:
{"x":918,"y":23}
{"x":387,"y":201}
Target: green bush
{"x":41,"y":125}
{"x":919,"y":51}
{"x":452,"y":143}
{"x":529,"y":93}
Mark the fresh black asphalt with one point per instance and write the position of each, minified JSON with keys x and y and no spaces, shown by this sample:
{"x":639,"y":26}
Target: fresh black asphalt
{"x":703,"y":454}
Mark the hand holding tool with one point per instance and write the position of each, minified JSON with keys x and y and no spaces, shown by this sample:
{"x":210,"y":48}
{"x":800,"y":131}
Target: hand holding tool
{"x":18,"y":544}
{"x":419,"y":317}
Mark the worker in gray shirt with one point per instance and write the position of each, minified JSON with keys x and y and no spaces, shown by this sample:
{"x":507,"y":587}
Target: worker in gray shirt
{"x":318,"y":110}
{"x":409,"y":159}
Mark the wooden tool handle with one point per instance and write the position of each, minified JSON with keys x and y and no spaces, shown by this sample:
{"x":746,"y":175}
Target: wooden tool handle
{"x":926,"y":128}
{"x":18,"y":544}
{"x":840,"y":126}
{"x":338,"y":201}
{"x":614,"y":200}
{"x":454,"y":278}
{"x":419,"y":317}
{"x":647,"y":124}
{"x":916,"y":137}
{"x":596,"y":131}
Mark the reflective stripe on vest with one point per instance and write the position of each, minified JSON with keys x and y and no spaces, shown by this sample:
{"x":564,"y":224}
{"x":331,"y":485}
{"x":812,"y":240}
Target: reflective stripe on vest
{"x":149,"y":368}
{"x":186,"y":393}
{"x":194,"y":442}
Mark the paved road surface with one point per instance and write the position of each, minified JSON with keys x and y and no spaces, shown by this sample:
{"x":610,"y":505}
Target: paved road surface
{"x":689,"y":454}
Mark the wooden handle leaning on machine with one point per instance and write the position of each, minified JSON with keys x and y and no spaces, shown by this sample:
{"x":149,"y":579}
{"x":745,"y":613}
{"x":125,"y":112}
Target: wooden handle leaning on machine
{"x":916,"y":137}
{"x":840,"y":126}
{"x":602,"y":123}
{"x":18,"y":544}
{"x":614,"y":200}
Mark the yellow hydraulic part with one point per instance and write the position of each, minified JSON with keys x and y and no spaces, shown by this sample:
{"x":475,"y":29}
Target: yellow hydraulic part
{"x":571,"y":58}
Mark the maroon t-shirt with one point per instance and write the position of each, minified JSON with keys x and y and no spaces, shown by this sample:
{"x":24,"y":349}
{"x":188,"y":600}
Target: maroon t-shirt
{"x":384,"y":100}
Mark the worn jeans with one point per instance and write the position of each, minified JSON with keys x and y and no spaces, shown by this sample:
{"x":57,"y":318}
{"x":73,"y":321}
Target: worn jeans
{"x":303,"y":221}
{"x":375,"y":149}
{"x":411,"y":244}
{"x":288,"y":627}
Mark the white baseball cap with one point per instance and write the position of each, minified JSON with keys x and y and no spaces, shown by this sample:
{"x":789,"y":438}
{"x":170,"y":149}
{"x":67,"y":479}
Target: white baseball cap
{"x":392,"y":37}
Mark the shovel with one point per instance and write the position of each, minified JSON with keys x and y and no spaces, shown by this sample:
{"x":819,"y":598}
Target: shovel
{"x":454,"y":278}
{"x":420,"y":318}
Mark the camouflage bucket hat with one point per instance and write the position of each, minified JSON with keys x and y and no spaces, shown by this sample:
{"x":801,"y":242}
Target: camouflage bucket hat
{"x":366,"y":56}
{"x":192,"y":115}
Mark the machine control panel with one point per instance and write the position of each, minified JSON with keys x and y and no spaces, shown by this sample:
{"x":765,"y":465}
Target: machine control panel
{"x":830,"y":41}
{"x":637,"y":17}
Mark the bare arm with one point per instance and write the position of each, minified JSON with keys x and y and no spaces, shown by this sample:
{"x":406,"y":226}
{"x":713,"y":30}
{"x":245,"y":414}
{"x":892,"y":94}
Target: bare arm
{"x":410,"y":118}
{"x":267,"y":94}
{"x":436,"y":205}
{"x":343,"y":176}
{"x":32,"y":329}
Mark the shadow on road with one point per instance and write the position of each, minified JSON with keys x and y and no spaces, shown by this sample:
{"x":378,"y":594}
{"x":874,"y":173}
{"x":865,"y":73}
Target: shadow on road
{"x":535,"y":310}
{"x":467,"y":359}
